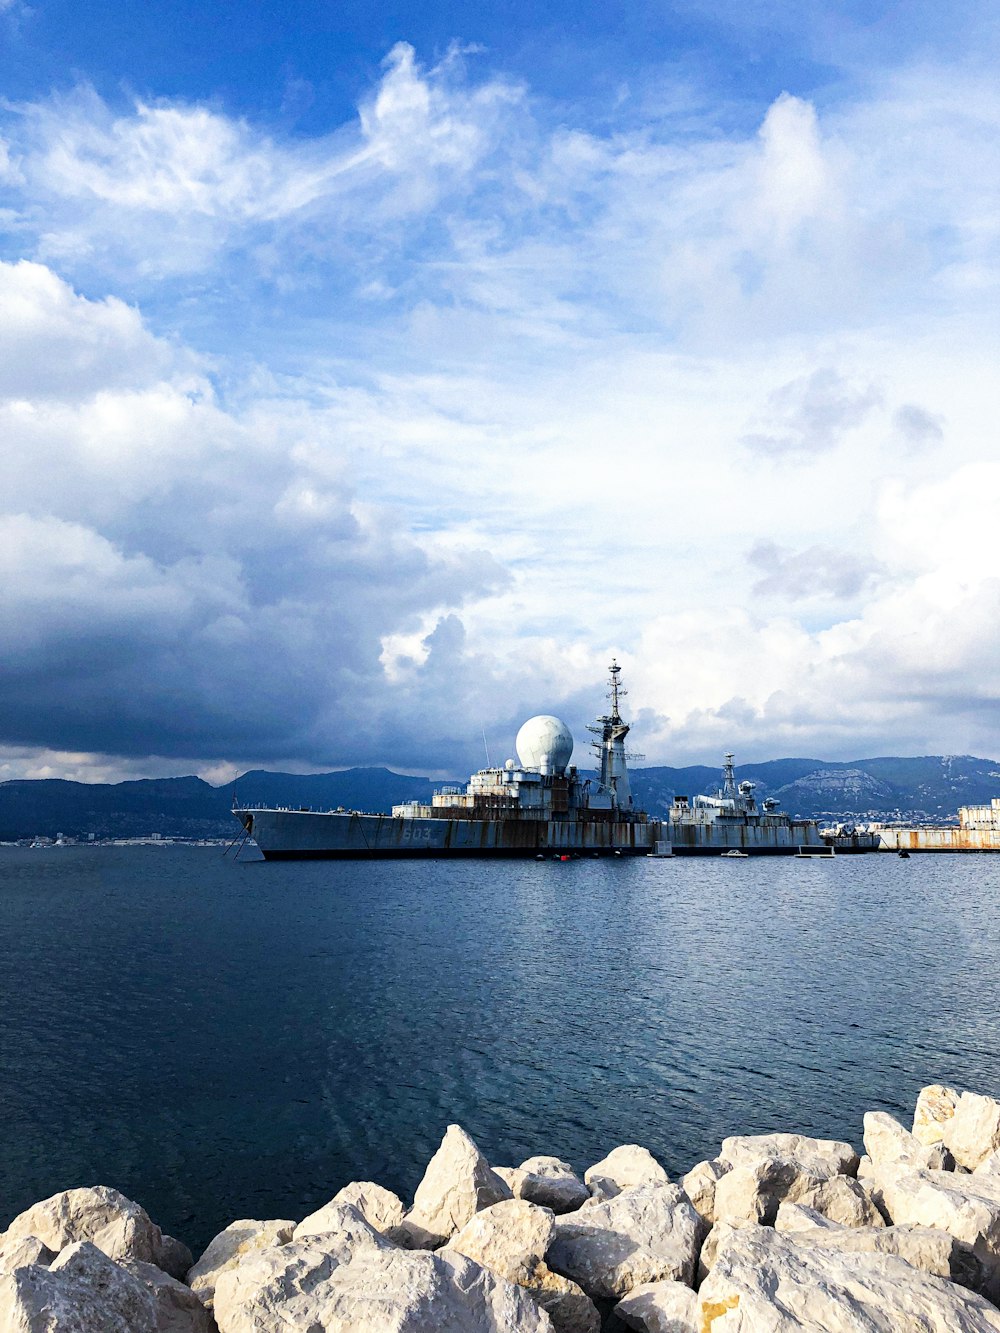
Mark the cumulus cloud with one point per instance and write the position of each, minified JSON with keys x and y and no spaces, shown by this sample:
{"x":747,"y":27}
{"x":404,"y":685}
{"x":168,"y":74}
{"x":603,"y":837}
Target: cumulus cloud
{"x":337,"y":450}
{"x":175,"y":577}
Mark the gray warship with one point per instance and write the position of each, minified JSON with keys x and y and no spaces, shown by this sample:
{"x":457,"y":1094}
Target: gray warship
{"x":539,"y":805}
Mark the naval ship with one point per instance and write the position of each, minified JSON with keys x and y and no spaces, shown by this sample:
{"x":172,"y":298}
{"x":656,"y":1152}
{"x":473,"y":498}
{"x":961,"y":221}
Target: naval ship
{"x":540,"y":805}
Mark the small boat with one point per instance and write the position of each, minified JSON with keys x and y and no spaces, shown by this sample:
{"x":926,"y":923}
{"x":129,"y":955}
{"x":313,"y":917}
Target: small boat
{"x":733,"y":851}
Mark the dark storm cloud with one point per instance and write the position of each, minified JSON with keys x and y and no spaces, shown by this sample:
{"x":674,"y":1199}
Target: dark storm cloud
{"x":182,"y":580}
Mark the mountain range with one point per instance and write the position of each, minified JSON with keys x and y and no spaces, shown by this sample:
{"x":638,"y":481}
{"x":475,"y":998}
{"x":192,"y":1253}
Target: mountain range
{"x":924,"y":790}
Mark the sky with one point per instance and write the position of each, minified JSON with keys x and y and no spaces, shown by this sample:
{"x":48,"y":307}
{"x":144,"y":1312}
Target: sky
{"x":370,"y":375}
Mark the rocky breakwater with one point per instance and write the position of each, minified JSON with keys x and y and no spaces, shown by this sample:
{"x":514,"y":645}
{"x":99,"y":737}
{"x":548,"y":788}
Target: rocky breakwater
{"x":778,"y":1232}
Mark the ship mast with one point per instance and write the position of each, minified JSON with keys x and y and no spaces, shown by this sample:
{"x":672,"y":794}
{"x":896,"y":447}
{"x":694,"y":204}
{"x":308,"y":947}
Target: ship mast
{"x":612,"y":731}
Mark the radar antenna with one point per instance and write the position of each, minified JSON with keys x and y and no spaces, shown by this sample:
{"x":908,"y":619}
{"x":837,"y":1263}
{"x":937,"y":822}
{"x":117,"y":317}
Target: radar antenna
{"x":617,"y":690}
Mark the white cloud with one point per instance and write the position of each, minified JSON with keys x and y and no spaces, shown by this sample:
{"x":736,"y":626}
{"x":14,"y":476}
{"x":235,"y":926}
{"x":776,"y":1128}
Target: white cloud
{"x":505,"y":365}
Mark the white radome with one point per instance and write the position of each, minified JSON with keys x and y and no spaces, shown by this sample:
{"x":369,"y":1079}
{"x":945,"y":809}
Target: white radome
{"x":544,"y":743}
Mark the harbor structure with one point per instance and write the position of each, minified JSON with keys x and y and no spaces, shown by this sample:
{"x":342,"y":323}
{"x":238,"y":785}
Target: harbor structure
{"x":978,"y":830}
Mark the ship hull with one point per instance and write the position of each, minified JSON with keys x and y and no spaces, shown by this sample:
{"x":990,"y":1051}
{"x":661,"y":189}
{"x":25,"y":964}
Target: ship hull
{"x":298,"y":835}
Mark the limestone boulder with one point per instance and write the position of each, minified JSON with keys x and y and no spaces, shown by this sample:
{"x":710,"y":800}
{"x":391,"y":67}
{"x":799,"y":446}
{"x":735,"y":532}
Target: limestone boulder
{"x":989,"y":1166}
{"x":458,"y":1183}
{"x":699,"y":1185}
{"x":799,"y":1217}
{"x":935,"y":1107}
{"x":568,"y":1306}
{"x":80,"y":1291}
{"x":973,"y":1132}
{"x":20,"y":1251}
{"x":510,"y":1239}
{"x":380,"y":1288}
{"x":175,"y":1258}
{"x":379,"y":1207}
{"x":765,"y":1281}
{"x":719,"y":1233}
{"x":624,"y":1167}
{"x":230,"y":1247}
{"x":660,"y":1307}
{"x":551,"y":1183}
{"x":177,"y":1309}
{"x":927,"y":1248}
{"x":886,"y":1141}
{"x":842,"y":1199}
{"x":752,"y":1192}
{"x":816,"y":1157}
{"x":647,"y":1233}
{"x":967,"y":1207}
{"x":117,"y":1226}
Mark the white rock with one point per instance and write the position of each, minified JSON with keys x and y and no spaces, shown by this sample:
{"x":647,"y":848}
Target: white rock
{"x":175,"y":1258}
{"x":380,"y":1208}
{"x":799,"y":1217}
{"x":551,"y":1183}
{"x":973,"y":1132}
{"x":20,"y":1251}
{"x":230,"y":1247}
{"x":380,"y":1289}
{"x":842,"y":1199}
{"x":927,"y":1248}
{"x":764,"y":1282}
{"x":699,"y":1185}
{"x":177,"y":1308}
{"x":568,"y":1306}
{"x":660,"y":1307}
{"x":622,"y":1168}
{"x":510,"y":1239}
{"x":81,"y":1291}
{"x":118,"y":1227}
{"x":887,"y":1141}
{"x":989,"y":1166}
{"x":458,"y":1182}
{"x":710,"y":1248}
{"x":816,"y":1157}
{"x":935,"y":1107}
{"x":966,"y":1206}
{"x":752,"y":1192}
{"x":647,"y":1233}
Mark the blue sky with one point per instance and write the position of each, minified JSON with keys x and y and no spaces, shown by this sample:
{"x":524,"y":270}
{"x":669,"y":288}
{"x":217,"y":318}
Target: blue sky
{"x":368,"y":375}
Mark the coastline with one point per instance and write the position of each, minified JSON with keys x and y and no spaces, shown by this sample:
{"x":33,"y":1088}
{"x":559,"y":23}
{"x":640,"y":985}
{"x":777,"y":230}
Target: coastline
{"x":778,"y":1231}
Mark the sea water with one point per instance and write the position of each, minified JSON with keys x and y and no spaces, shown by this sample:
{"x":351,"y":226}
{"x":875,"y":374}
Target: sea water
{"x":223,"y":1039}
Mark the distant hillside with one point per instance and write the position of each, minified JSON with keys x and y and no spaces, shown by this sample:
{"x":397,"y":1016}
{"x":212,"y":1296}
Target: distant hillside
{"x":923,"y":789}
{"x":928,"y":788}
{"x":186,"y":807}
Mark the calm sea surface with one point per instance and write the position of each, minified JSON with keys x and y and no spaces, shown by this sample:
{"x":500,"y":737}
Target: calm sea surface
{"x":225,"y":1040}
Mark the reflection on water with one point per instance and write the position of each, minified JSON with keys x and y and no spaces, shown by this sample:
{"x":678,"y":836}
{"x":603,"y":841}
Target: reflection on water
{"x":225,"y":1040}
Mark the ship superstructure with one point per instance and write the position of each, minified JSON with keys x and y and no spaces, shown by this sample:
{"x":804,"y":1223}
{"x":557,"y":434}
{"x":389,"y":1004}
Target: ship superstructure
{"x":733,"y":820}
{"x":538,"y":804}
